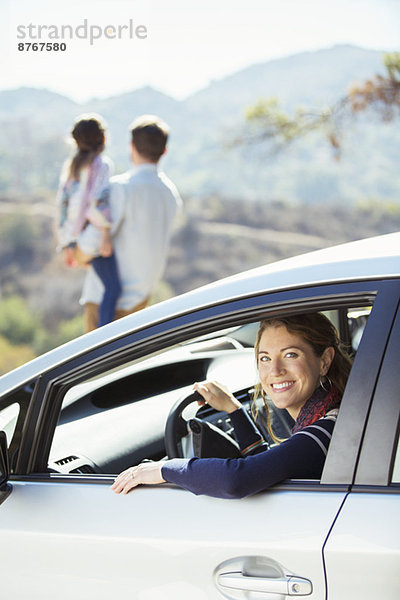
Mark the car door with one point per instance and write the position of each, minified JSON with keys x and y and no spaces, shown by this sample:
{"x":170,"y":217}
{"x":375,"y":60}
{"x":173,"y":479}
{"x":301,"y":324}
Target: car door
{"x":362,"y":554}
{"x":69,"y":536}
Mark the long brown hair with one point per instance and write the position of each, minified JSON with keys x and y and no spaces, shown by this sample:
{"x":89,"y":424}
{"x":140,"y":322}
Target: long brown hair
{"x":89,"y":135}
{"x":320,"y":333}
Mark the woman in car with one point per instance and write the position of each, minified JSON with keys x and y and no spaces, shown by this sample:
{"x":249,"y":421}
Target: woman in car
{"x":303,"y":368}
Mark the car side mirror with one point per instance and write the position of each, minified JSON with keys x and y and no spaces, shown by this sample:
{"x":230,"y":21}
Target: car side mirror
{"x":4,"y":461}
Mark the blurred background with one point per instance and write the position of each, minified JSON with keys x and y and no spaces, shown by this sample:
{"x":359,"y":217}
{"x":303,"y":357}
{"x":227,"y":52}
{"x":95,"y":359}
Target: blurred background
{"x":285,"y":135}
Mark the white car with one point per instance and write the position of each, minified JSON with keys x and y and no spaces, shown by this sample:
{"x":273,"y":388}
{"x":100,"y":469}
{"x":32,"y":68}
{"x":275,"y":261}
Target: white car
{"x":83,"y":412}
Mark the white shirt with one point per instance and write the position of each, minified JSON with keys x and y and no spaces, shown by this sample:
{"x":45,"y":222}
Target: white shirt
{"x":144,"y":203}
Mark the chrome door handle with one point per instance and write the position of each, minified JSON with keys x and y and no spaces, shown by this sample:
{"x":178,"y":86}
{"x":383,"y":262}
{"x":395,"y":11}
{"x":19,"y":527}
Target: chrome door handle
{"x":287,"y":586}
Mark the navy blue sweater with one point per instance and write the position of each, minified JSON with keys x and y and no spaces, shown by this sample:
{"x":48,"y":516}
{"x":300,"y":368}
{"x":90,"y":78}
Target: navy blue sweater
{"x":302,"y":456}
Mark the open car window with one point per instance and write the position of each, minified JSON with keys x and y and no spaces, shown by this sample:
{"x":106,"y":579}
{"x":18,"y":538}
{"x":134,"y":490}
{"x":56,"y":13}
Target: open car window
{"x":117,"y":418}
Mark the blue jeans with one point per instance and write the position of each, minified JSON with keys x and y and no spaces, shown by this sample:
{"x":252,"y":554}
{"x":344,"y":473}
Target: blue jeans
{"x":107,"y":269}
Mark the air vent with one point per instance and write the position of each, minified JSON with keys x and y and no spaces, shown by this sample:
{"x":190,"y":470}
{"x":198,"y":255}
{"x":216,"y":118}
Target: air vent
{"x":83,"y":469}
{"x":73,"y":464}
{"x":65,"y":461}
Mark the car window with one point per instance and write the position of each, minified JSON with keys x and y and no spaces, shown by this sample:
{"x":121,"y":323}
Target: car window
{"x":357,"y":320}
{"x":118,"y":418}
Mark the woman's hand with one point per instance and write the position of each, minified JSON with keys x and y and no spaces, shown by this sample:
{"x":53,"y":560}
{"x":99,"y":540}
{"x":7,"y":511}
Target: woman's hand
{"x":146,"y":473}
{"x":217,"y":395}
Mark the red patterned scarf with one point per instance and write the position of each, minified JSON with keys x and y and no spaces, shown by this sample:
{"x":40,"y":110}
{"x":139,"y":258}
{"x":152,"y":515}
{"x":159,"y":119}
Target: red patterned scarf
{"x":317,"y":406}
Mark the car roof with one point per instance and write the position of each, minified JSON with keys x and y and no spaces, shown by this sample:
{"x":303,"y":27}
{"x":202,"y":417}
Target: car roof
{"x":371,"y":258}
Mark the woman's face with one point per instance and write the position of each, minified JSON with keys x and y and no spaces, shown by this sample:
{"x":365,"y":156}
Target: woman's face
{"x":289,"y":369}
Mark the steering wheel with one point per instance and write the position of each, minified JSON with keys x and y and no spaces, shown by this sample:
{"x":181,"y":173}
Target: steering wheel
{"x":208,"y":440}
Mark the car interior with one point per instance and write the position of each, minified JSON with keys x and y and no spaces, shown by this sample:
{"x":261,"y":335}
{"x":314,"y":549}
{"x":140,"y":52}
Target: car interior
{"x":146,"y":410}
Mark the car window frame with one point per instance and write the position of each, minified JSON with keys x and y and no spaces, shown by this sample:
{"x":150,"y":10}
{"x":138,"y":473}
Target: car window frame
{"x":366,"y":368}
{"x":52,"y":386}
{"x":381,"y":437}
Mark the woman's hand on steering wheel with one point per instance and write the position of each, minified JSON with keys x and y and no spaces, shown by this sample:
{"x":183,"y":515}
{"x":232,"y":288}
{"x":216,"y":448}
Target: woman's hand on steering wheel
{"x":217,"y":396}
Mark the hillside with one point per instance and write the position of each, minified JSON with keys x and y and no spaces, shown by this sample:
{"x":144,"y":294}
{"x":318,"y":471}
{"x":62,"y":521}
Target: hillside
{"x":34,"y":124}
{"x":213,"y":239}
{"x":39,"y":296}
{"x":309,"y":78}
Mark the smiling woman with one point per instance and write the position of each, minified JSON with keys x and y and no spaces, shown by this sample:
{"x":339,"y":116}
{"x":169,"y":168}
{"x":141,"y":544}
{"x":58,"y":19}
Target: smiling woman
{"x":302,"y":368}
{"x":294,"y":356}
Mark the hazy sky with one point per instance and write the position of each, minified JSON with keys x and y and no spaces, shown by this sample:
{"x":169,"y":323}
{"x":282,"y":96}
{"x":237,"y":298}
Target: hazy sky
{"x":188,"y":43}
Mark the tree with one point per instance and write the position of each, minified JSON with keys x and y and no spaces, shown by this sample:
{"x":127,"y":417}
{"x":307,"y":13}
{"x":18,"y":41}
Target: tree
{"x":266,"y":122}
{"x":382,"y":93}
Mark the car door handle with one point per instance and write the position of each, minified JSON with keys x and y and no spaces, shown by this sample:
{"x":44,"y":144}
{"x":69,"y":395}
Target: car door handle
{"x":290,"y":585}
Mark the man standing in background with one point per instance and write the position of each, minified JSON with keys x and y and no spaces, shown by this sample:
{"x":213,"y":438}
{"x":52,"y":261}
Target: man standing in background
{"x":144,"y":204}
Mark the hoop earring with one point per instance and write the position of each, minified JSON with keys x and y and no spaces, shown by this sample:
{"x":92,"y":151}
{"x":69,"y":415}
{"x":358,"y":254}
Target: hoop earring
{"x":322,"y":384}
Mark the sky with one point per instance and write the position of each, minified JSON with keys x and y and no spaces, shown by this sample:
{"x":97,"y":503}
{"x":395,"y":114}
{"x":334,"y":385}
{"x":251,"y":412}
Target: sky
{"x":175,"y":46}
